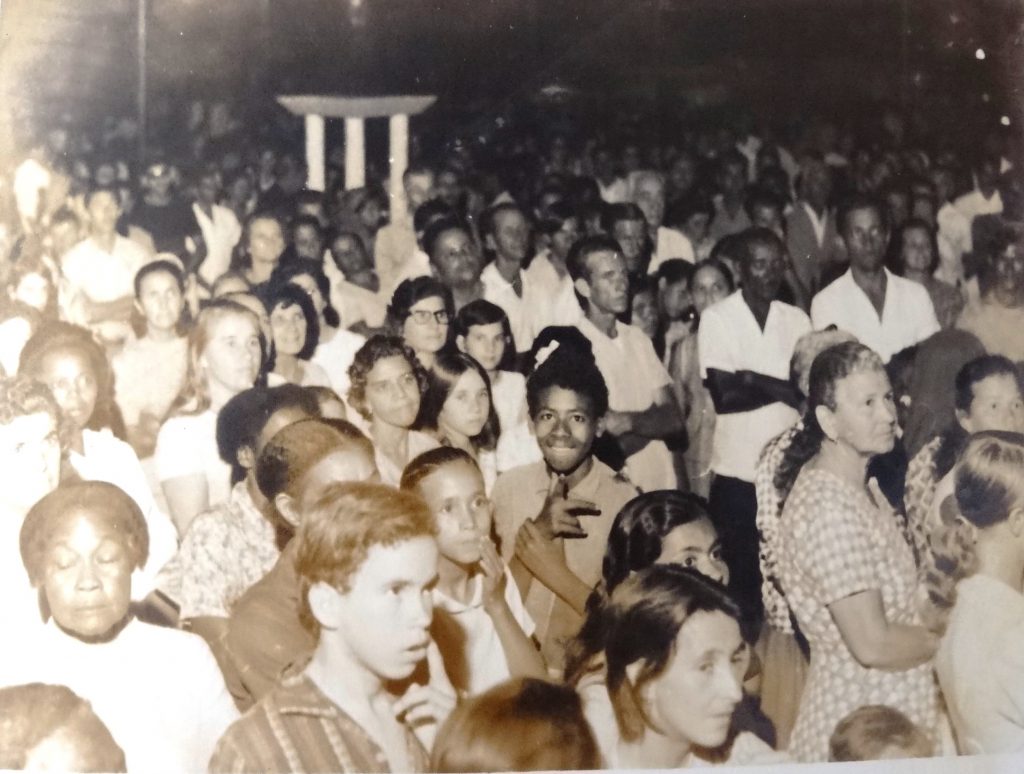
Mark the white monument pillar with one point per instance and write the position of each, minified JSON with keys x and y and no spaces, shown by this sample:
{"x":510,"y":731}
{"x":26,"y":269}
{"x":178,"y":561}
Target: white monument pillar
{"x":398,"y":134}
{"x":355,"y":154}
{"x":316,"y":179}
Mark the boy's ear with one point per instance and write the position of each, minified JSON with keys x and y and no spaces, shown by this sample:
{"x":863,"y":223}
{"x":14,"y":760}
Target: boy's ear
{"x":460,"y":342}
{"x":325,"y":604}
{"x":599,"y":425}
{"x":286,"y":507}
{"x":138,"y":308}
{"x":489,"y":242}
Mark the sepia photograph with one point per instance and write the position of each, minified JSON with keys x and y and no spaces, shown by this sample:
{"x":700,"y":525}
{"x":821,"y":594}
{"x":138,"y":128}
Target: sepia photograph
{"x":511,"y":385}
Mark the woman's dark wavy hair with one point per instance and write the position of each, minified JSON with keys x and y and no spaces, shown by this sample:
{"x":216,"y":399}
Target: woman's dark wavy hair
{"x":828,"y":369}
{"x":640,"y":623}
{"x":287,"y":271}
{"x":441,"y":380}
{"x":570,"y":366}
{"x":955,"y":438}
{"x":287,"y":295}
{"x":483,"y":312}
{"x":375,"y":349}
{"x":634,"y":543}
{"x":55,"y":336}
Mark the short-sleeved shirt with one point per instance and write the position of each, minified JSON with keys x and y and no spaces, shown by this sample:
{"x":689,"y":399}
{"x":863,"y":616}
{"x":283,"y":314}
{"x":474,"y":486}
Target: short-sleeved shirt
{"x":187,"y":446}
{"x":635,"y":375}
{"x":477,"y":662}
{"x":527,"y":313}
{"x":908,"y":316}
{"x":834,"y":542}
{"x":296,"y":728}
{"x":518,"y":495}
{"x":730,"y":339}
{"x":93,"y":273}
{"x":225,"y":551}
{"x":390,"y":473}
{"x":980,"y":665}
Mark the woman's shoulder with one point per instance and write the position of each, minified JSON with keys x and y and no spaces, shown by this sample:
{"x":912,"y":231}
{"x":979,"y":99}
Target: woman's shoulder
{"x":816,"y":494}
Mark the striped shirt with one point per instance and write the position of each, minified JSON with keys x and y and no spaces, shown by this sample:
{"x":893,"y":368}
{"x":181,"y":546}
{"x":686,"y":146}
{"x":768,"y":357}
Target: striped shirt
{"x":296,"y":728}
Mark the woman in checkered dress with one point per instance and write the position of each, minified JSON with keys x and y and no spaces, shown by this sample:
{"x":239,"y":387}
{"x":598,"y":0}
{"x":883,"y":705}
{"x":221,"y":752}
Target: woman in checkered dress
{"x":844,"y":563}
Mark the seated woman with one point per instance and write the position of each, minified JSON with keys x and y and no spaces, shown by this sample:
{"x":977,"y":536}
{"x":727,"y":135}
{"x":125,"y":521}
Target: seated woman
{"x":674,"y":659}
{"x":294,"y":334}
{"x":68,"y":360}
{"x":150,"y":371}
{"x":987,"y":397}
{"x":336,"y":346}
{"x":457,"y":410}
{"x":978,"y":662}
{"x":50,"y":728}
{"x":519,"y":725}
{"x":31,"y":282}
{"x":225,"y":355}
{"x":388,"y":383}
{"x":482,"y":331}
{"x":158,"y":690}
{"x":264,"y":633}
{"x":419,"y":313}
{"x":480,"y":625}
{"x":844,"y":564}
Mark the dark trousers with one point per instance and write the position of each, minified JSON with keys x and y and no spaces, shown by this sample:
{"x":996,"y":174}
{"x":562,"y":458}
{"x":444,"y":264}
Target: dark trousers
{"x":733,"y":505}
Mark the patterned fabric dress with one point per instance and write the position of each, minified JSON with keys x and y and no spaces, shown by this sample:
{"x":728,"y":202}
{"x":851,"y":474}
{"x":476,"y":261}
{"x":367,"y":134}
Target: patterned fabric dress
{"x":835,"y":542}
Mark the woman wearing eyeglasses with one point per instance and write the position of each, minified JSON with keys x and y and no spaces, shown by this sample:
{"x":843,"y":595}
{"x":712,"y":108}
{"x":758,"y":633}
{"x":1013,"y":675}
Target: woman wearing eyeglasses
{"x":419,"y":313}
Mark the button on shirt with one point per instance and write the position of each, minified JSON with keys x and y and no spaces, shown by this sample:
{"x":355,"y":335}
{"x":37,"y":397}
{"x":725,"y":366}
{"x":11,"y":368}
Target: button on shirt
{"x":908,"y":316}
{"x":730,"y":339}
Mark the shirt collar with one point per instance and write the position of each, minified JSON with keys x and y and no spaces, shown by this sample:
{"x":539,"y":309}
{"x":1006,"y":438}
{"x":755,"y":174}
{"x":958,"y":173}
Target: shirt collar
{"x":297,"y":694}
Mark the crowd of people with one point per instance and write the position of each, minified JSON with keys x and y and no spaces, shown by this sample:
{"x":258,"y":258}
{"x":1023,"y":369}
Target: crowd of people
{"x":611,"y":453}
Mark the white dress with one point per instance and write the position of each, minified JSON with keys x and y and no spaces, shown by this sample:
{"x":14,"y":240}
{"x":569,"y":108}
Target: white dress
{"x":159,"y":691}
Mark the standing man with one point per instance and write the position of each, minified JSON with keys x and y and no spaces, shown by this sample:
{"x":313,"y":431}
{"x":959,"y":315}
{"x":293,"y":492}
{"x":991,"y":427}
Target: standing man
{"x":745,"y":344}
{"x":811,"y":234}
{"x":218,"y":224}
{"x":643,"y":410}
{"x":395,"y":245}
{"x":885,"y":312}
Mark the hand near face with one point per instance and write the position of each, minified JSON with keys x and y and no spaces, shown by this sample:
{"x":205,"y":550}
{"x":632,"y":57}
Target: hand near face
{"x":493,"y":577}
{"x":560,"y":516}
{"x":428,"y":703}
{"x":539,"y":554}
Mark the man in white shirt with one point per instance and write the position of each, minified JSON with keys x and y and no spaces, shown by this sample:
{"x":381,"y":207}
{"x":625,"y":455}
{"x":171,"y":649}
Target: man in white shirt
{"x":745,"y":344}
{"x":395,"y":245}
{"x":99,"y":272}
{"x":985,"y":198}
{"x":506,"y":234}
{"x":885,"y":312}
{"x":643,"y":410}
{"x":648,"y":193}
{"x":219,"y":226}
{"x":954,"y":235}
{"x":811,"y":235}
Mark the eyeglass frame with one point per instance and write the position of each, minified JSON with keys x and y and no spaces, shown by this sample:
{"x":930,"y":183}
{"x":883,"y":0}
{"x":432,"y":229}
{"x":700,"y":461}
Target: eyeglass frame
{"x":422,"y":316}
